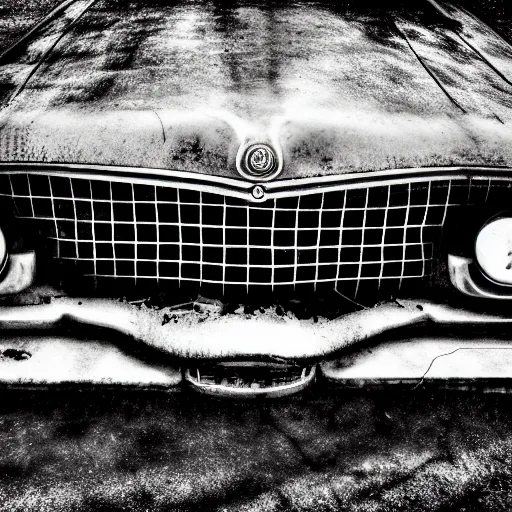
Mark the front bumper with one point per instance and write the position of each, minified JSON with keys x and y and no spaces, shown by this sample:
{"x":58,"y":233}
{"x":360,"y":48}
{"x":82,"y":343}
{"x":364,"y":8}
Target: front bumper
{"x":63,"y":360}
{"x":190,"y":335}
{"x":95,"y":341}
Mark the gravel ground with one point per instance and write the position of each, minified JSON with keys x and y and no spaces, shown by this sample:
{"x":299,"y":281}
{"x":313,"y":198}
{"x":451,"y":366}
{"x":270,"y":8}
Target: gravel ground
{"x":358,"y":451}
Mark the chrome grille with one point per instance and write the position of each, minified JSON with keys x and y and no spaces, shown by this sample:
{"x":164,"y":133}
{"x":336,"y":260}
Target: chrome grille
{"x":373,"y":240}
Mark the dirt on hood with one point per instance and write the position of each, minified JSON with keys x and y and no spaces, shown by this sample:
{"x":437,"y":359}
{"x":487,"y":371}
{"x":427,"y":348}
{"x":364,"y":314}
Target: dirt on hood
{"x":335,"y":87}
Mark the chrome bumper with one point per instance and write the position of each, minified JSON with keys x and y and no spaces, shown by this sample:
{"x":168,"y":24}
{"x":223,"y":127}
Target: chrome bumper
{"x":462,"y":362}
{"x":222,"y":390}
{"x":39,"y":361}
{"x":191,"y":335}
{"x":177,"y":337}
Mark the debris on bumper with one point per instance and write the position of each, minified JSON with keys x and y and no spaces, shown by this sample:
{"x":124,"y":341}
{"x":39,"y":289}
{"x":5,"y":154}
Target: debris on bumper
{"x":191,"y":335}
{"x":263,"y":353}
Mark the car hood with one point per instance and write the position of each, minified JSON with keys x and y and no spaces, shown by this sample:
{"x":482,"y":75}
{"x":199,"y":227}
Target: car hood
{"x":181,"y":86}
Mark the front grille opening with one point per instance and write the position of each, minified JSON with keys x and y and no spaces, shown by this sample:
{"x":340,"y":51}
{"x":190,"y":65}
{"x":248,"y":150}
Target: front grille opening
{"x":367,"y":244}
{"x":248,"y":375}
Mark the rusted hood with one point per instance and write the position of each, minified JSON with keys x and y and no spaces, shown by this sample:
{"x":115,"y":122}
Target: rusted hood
{"x":182,"y":85}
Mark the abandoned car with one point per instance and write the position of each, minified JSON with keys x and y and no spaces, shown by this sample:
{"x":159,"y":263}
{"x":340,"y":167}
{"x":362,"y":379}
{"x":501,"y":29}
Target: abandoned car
{"x":245,"y":196}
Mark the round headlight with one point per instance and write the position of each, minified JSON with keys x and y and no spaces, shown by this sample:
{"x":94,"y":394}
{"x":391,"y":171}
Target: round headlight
{"x":493,"y":250}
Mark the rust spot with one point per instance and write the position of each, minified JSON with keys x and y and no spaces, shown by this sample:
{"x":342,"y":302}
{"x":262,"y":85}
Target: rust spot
{"x":15,"y":354}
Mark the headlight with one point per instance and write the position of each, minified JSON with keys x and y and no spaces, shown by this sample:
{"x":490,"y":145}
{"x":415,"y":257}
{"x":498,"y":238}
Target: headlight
{"x":493,"y":250}
{"x":3,"y":252}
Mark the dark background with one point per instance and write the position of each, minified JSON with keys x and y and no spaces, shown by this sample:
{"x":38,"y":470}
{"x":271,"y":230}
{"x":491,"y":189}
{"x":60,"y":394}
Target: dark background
{"x":367,"y":450}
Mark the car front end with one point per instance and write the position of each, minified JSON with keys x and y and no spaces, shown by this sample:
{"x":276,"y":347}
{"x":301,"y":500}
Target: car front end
{"x":248,"y":197}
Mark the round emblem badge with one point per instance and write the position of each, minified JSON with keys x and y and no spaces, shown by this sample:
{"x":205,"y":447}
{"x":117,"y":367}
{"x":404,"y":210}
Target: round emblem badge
{"x":258,"y":162}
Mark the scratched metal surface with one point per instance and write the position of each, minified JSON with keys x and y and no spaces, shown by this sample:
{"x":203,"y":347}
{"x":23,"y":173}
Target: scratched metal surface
{"x":341,"y":87}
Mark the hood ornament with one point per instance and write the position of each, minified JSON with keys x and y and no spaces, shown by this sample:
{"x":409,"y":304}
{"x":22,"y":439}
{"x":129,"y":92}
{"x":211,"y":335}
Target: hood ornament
{"x":258,"y":162}
{"x":260,"y":159}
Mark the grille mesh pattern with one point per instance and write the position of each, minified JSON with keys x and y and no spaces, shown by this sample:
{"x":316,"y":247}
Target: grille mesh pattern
{"x":145,"y":234}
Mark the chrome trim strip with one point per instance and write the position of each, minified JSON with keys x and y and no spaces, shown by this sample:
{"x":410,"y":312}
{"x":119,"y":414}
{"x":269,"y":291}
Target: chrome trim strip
{"x":242,"y":189}
{"x":137,"y":175}
{"x":233,"y":392}
{"x":237,"y":335}
{"x":460,"y":268}
{"x":21,"y":271}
